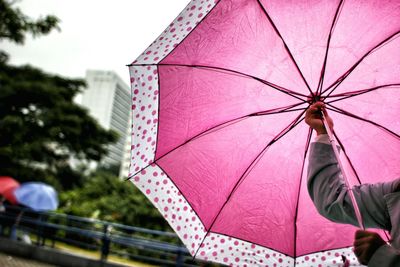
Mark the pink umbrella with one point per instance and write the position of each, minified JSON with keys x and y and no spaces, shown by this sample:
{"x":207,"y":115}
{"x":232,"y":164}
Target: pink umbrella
{"x":219,"y":144}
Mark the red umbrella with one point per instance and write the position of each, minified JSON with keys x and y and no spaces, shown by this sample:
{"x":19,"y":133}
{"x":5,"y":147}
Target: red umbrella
{"x":7,"y":187}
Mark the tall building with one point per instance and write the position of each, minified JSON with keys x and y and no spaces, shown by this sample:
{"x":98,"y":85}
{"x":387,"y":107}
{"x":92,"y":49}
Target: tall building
{"x":126,"y":160}
{"x":107,"y":98}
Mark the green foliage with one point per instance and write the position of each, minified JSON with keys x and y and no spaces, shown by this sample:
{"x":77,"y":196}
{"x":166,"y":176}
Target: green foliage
{"x":106,"y":197}
{"x":14,"y":25}
{"x":41,"y":128}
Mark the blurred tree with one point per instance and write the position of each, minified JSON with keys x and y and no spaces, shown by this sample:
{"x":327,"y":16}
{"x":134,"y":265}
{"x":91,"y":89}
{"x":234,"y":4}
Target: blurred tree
{"x":112,"y":169}
{"x":104,"y":196}
{"x":41,"y":128}
{"x":14,"y":25}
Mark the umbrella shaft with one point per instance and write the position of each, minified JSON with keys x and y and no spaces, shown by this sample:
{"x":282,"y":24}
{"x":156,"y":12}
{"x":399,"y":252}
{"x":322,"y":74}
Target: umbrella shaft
{"x":335,"y":150}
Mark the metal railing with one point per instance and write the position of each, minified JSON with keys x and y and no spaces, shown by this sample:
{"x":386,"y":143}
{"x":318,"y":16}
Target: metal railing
{"x":105,"y":238}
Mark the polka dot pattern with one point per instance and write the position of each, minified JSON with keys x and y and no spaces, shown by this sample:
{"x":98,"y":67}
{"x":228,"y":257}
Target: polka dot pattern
{"x":144,"y":86}
{"x":187,"y":20}
{"x":164,"y":195}
{"x":235,"y":252}
{"x":328,"y":258}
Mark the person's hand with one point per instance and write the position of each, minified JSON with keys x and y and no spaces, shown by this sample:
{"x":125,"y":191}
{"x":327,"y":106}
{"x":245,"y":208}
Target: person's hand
{"x":365,"y":245}
{"x":314,"y":118}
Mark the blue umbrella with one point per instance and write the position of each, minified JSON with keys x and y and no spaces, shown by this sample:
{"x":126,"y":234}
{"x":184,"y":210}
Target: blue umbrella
{"x":37,"y":196}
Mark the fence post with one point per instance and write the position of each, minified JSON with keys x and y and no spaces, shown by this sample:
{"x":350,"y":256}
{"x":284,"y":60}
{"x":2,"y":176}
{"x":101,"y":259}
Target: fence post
{"x":41,"y":239}
{"x":105,"y":246}
{"x":179,"y":258}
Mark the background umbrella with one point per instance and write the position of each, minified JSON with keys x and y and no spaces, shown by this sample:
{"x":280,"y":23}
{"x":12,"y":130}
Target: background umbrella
{"x":7,"y":187}
{"x":219,"y":144}
{"x":37,"y":196}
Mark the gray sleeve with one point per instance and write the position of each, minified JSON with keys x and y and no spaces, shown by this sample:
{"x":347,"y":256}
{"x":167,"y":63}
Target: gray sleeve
{"x":329,"y":192}
{"x":385,"y":256}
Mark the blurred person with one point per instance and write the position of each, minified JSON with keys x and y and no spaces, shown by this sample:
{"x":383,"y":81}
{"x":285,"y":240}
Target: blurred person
{"x":2,"y":210}
{"x":379,"y":203}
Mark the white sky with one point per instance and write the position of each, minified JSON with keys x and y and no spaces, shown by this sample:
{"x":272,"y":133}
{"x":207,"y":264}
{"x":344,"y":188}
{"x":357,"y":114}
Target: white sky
{"x":95,"y":34}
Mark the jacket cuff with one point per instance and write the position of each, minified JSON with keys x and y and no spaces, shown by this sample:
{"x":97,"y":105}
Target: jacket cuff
{"x":385,"y":256}
{"x":323,"y":138}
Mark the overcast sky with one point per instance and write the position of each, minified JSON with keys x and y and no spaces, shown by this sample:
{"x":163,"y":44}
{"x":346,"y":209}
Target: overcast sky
{"x":95,"y":34}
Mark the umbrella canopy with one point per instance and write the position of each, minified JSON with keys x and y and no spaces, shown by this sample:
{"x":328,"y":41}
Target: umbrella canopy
{"x":218,"y":140}
{"x":7,"y":187}
{"x":37,"y":196}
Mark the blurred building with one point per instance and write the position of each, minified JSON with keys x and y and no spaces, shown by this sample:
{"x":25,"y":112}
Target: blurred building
{"x":126,"y":160}
{"x":107,"y":98}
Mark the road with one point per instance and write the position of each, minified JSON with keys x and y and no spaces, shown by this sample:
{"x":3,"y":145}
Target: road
{"x":7,"y":260}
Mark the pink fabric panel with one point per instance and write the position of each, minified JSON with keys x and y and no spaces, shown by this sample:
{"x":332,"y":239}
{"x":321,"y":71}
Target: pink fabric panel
{"x":377,"y":69}
{"x":305,"y":26}
{"x":237,"y":35}
{"x":176,"y":31}
{"x":361,"y":26}
{"x":314,"y":232}
{"x":206,"y":169}
{"x":193,"y":100}
{"x":263,"y":208}
{"x":373,"y":152}
{"x":369,"y":106}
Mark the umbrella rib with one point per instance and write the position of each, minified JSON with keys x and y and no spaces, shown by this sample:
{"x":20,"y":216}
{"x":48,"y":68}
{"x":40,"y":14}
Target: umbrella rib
{"x":193,"y":30}
{"x":346,"y":95}
{"x":335,"y":19}
{"x":336,"y":83}
{"x":286,"y":47}
{"x":279,"y":136}
{"x":346,"y":113}
{"x":347,"y":157}
{"x":183,"y":194}
{"x":298,"y":194}
{"x":158,"y":117}
{"x":293,"y":124}
{"x":289,"y":108}
{"x":221,"y":126}
{"x":274,"y":86}
{"x":258,"y":244}
{"x":197,"y":24}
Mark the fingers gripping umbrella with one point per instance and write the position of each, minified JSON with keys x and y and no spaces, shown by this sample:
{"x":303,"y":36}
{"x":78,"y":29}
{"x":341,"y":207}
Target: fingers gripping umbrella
{"x":219,"y":144}
{"x":37,"y":196}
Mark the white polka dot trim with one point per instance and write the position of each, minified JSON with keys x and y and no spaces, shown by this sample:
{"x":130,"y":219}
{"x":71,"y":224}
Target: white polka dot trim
{"x":328,"y":258}
{"x":144,"y":86}
{"x":164,"y":195}
{"x":235,"y":252}
{"x":187,"y":20}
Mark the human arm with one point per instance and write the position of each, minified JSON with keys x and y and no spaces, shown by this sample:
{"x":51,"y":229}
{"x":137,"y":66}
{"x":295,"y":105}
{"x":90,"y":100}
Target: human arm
{"x":330,"y":195}
{"x":327,"y":187}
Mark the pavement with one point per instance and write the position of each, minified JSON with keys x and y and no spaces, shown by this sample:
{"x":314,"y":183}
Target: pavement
{"x":7,"y":260}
